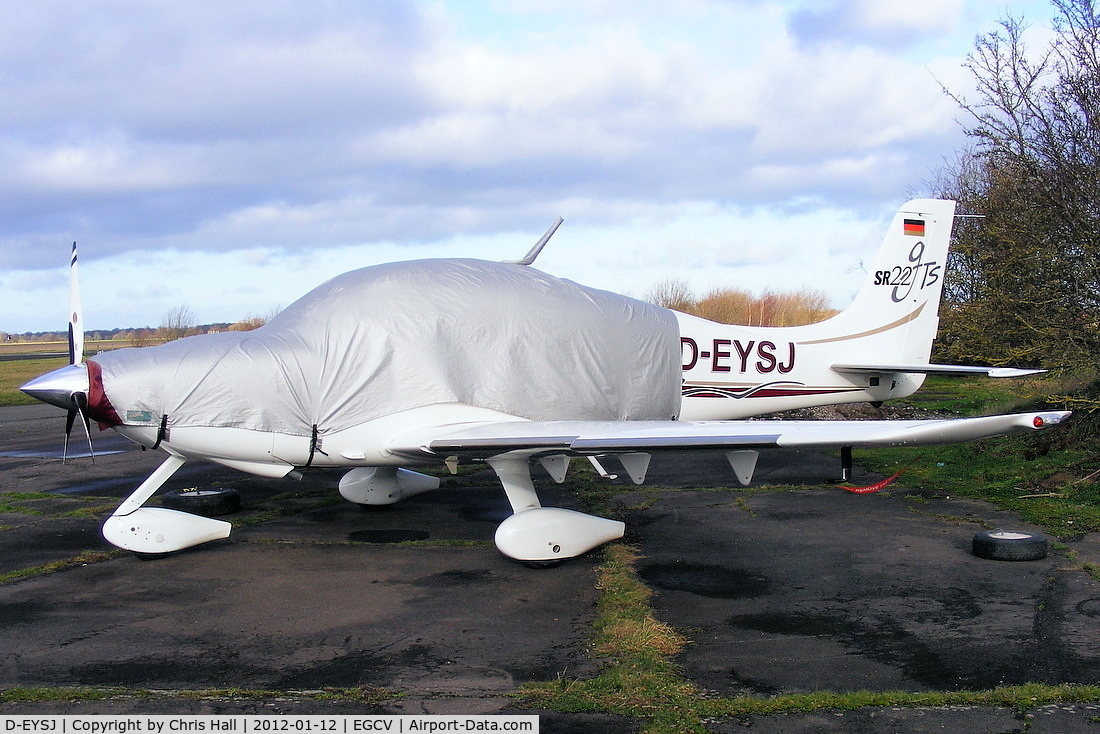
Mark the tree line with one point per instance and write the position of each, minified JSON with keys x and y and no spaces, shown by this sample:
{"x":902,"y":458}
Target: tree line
{"x":1023,"y":281}
{"x":179,"y":322}
{"x":737,"y":306}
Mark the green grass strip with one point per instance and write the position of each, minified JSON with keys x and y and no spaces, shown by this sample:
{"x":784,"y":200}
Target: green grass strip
{"x":1018,"y":698}
{"x":639,"y":679}
{"x":81,"y":559}
{"x":363,"y":694}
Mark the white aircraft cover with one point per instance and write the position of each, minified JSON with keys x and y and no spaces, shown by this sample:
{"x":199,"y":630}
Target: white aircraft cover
{"x":384,"y":339}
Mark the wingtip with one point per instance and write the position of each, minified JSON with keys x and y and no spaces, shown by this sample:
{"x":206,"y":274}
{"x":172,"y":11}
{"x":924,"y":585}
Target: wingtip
{"x":1049,"y":418}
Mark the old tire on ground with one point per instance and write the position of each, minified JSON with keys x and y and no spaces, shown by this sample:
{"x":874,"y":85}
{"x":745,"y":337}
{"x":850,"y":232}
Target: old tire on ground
{"x":205,"y":502}
{"x":1002,"y":545}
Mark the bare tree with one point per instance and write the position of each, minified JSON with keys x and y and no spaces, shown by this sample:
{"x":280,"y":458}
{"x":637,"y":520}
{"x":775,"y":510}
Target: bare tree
{"x":178,"y":323}
{"x":1024,"y":282}
{"x":674,"y":294}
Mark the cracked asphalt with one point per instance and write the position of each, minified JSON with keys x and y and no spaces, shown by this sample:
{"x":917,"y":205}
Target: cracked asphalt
{"x":803,"y":588}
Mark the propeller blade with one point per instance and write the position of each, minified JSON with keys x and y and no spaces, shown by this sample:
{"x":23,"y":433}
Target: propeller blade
{"x":70,"y":418}
{"x":87,"y":433}
{"x":81,"y":401}
{"x":76,"y":315}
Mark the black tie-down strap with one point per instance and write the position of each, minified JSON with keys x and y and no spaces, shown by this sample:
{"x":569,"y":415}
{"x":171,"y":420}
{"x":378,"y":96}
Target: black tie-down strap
{"x":314,"y":446}
{"x":162,"y":432}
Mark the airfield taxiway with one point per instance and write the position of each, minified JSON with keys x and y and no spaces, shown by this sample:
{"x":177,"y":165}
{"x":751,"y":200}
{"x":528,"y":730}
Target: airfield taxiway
{"x":803,"y":589}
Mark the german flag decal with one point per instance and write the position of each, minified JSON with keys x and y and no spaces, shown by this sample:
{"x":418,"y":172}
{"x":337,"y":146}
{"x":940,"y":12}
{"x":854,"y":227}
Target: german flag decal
{"x":913,"y":227}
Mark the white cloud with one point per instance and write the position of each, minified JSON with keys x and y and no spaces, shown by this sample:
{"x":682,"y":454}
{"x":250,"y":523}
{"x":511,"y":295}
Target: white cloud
{"x":240,"y":136}
{"x":924,"y":17}
{"x":99,"y":166}
{"x":875,"y":23}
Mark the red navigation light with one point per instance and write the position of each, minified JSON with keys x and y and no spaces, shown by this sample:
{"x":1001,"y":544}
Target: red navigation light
{"x":1037,"y":421}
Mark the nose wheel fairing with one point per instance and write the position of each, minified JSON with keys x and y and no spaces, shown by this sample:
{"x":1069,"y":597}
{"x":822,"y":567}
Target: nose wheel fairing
{"x":157,"y":530}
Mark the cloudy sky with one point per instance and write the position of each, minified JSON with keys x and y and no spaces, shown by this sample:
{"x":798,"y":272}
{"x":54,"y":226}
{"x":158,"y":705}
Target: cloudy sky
{"x":230,"y":156}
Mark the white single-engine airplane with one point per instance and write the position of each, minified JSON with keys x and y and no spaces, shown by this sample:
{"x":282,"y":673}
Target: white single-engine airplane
{"x":448,"y":361}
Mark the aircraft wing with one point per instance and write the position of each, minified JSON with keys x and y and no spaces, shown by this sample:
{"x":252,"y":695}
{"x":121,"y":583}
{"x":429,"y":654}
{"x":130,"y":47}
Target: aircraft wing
{"x":589,"y":438}
{"x":936,"y":369}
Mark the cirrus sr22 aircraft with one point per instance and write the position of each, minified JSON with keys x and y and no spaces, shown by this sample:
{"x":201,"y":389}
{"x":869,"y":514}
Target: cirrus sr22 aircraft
{"x":452,"y":360}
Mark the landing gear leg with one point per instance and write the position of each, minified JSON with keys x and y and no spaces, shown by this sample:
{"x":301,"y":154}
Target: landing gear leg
{"x":845,"y":466}
{"x":514,"y":474}
{"x":152,"y":483}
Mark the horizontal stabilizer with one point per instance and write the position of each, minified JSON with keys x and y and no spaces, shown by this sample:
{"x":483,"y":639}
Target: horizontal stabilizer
{"x":936,"y":369}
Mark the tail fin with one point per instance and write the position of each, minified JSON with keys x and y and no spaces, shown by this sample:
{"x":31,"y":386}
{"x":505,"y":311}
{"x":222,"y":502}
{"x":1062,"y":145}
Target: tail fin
{"x":896,"y":312}
{"x":900,"y":299}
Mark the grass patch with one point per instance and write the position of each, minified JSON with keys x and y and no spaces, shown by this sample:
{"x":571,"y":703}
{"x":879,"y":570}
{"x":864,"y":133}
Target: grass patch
{"x":1018,"y":698}
{"x":1044,"y":489}
{"x":981,"y":395}
{"x":81,"y":559}
{"x":17,"y":372}
{"x":59,"y":695}
{"x":437,"y":543}
{"x":92,"y":512}
{"x":285,"y":505}
{"x":15,"y":508}
{"x":441,"y":543}
{"x":364,"y":694}
{"x":639,"y":679}
{"x":20,"y":496}
{"x":43,"y":504}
